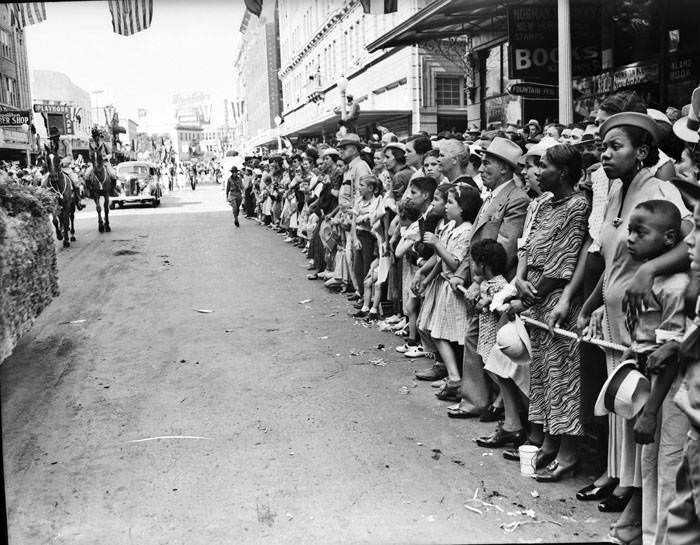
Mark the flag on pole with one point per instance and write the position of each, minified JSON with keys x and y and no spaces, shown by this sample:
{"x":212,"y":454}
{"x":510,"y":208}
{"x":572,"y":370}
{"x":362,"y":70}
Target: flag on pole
{"x":130,"y":16}
{"x":142,"y":113}
{"x":255,"y":6}
{"x":27,"y":13}
{"x":379,"y":6}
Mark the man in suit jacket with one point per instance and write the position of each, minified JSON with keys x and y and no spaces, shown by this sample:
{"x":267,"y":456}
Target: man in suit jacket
{"x":500,"y":218}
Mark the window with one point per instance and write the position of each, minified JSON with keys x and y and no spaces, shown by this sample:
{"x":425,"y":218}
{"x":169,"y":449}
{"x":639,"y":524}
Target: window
{"x":6,"y":45}
{"x":447,"y":91}
{"x":11,"y":89}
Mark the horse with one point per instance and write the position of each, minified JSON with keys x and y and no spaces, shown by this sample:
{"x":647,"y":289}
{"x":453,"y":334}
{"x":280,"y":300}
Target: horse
{"x":100,"y":183}
{"x":63,"y":215}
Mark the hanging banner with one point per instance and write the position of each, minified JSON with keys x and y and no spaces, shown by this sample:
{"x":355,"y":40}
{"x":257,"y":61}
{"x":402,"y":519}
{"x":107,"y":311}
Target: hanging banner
{"x":635,"y":74}
{"x":532,"y":35}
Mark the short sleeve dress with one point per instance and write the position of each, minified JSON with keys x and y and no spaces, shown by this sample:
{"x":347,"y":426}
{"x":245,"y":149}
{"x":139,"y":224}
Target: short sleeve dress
{"x":623,"y":456}
{"x":552,"y":249}
{"x":449,"y":317}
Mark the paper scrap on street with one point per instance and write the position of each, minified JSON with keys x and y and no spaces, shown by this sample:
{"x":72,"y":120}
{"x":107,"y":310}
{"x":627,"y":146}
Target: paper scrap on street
{"x":73,"y":322}
{"x":305,"y":301}
{"x":203,"y":310}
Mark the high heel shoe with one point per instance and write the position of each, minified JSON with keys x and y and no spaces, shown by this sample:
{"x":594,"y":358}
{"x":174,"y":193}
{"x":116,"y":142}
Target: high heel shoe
{"x":556,"y":472}
{"x":593,"y":492}
{"x":615,"y":503}
{"x":543,"y":459}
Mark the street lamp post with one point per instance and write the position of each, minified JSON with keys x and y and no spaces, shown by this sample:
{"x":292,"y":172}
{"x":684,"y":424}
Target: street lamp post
{"x":27,"y":129}
{"x":278,"y":122}
{"x":343,"y":87}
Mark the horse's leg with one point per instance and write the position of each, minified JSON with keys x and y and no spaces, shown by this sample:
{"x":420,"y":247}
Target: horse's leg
{"x":107,"y":228}
{"x":65,"y":224}
{"x":54,"y":220}
{"x":72,"y":222}
{"x":98,"y":208}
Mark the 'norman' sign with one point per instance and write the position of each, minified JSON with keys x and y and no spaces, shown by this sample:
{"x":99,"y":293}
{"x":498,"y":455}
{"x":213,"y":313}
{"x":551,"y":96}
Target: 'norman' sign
{"x":532,"y":34}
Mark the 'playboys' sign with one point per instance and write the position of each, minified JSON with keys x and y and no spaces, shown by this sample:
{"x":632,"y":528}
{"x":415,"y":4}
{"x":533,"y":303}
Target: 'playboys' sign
{"x":532,"y":32}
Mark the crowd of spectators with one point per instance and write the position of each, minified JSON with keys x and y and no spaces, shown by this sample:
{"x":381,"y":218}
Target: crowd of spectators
{"x":474,"y":248}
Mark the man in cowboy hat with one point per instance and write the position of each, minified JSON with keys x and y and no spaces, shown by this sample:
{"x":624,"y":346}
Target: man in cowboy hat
{"x":64,"y":150}
{"x":350,"y":146}
{"x":234,"y":193}
{"x":501,"y":218}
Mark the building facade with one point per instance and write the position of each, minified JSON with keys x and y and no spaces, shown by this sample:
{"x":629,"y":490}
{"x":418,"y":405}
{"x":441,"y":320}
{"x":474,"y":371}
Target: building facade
{"x":257,"y":91}
{"x":14,"y":86}
{"x":60,"y":103}
{"x":652,"y":48}
{"x":405,"y":89}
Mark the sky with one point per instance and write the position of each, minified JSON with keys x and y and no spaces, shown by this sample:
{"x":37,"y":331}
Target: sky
{"x":189,"y":47}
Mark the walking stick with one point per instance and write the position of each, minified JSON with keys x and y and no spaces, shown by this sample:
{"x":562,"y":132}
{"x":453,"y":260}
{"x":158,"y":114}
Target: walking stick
{"x":563,"y":332}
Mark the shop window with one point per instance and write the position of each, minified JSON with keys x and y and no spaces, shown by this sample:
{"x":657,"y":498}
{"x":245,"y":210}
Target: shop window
{"x":448,"y":91}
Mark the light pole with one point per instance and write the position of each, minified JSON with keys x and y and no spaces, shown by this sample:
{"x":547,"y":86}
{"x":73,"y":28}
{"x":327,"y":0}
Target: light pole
{"x":278,"y":122}
{"x":27,"y":129}
{"x":343,"y":87}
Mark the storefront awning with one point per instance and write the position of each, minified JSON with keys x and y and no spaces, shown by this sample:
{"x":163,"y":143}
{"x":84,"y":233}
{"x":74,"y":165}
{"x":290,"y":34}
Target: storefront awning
{"x":329,"y":124}
{"x":445,"y":18}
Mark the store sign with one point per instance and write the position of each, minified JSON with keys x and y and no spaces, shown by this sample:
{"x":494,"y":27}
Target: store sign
{"x":533,"y":51}
{"x":539,"y":91}
{"x":682,"y":68}
{"x":52,"y":109}
{"x":637,"y":74}
{"x":10,"y":118}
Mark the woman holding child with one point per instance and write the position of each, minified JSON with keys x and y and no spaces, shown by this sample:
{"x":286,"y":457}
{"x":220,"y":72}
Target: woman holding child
{"x":630,"y":148}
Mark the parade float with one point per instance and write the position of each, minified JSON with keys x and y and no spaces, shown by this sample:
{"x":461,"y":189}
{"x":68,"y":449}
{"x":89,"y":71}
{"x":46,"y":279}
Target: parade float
{"x":28,"y":266}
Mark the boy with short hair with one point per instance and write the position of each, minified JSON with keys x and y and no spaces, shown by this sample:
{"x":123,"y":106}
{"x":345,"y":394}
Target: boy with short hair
{"x":654,"y":229}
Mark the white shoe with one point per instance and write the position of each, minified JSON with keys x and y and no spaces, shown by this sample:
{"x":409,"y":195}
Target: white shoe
{"x":401,"y":324}
{"x":288,"y":239}
{"x":403,"y":348}
{"x":415,"y":352}
{"x":395,"y":319}
{"x":439,"y":384}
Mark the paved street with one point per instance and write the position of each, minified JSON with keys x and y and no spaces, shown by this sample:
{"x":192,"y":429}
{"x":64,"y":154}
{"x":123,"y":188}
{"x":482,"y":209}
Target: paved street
{"x":261,"y":422}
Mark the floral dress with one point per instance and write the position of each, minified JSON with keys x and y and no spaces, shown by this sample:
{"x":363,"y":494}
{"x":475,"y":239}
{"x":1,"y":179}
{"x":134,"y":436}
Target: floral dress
{"x":449,"y":317}
{"x":552,"y":247}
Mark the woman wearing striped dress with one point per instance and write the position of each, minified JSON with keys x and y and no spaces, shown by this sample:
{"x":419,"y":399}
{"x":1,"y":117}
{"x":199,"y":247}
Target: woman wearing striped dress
{"x":551,"y":254}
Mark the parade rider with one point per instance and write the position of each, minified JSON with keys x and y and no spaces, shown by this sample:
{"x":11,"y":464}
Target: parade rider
{"x":65,"y":152}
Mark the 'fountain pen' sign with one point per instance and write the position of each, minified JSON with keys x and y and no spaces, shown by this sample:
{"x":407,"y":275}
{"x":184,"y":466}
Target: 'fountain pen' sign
{"x":534,"y":90}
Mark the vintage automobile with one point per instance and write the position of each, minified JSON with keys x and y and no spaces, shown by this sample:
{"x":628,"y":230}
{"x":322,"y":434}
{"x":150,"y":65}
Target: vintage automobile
{"x":138,"y":182}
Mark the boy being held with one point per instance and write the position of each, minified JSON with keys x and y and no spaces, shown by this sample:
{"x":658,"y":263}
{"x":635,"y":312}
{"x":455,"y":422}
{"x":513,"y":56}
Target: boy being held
{"x":654,"y":229}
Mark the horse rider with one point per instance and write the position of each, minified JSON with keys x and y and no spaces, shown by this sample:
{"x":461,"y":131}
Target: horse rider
{"x":65,"y":151}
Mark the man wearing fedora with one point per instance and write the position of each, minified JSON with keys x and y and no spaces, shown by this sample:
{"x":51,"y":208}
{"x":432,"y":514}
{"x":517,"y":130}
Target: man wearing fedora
{"x":500,"y":218}
{"x":234,"y":193}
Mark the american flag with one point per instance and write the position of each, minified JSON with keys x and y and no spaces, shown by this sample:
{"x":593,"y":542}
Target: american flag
{"x":379,"y":6}
{"x":28,"y":13}
{"x":130,"y":16}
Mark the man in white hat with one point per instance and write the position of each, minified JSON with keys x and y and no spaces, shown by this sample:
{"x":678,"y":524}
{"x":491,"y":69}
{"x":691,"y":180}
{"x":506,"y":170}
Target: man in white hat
{"x":500,"y":218}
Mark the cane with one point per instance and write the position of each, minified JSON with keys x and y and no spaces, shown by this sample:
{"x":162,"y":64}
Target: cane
{"x":564,"y":332}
